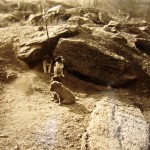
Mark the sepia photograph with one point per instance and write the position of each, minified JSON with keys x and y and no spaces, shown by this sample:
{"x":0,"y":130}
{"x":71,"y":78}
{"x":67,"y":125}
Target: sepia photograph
{"x":74,"y":74}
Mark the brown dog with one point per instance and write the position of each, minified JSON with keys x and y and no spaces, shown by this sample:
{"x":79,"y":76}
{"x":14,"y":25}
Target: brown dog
{"x":65,"y":95}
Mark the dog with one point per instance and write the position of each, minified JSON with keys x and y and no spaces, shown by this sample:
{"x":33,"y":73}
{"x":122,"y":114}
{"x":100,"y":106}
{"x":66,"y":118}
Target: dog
{"x":59,"y":67}
{"x":65,"y":96}
{"x":47,"y":64}
{"x":55,"y":95}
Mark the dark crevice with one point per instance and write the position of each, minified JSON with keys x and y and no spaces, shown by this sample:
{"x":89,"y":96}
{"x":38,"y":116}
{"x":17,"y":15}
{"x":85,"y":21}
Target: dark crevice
{"x":49,"y":47}
{"x":101,"y":82}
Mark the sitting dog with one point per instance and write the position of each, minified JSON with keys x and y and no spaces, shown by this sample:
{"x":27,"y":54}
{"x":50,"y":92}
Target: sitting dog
{"x":55,"y":95}
{"x":58,"y":67}
{"x":47,"y":64}
{"x":65,"y":96}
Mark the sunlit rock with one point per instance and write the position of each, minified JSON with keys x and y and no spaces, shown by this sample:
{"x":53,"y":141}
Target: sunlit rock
{"x":94,"y":61}
{"x":116,"y":126}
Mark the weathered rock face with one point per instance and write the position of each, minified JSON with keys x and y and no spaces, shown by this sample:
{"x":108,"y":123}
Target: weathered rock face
{"x":143,"y":45}
{"x":76,"y":20}
{"x":113,"y":24}
{"x":57,"y":9}
{"x":109,"y":29}
{"x":33,"y":49}
{"x":92,"y":16}
{"x":10,"y":66}
{"x":118,"y":38}
{"x":104,"y":17}
{"x":94,"y":61}
{"x":116,"y":126}
{"x":35,"y":19}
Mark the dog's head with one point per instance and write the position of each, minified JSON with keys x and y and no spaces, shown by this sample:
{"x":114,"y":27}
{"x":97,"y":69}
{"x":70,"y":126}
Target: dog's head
{"x":55,"y":86}
{"x":59,"y":59}
{"x":47,"y":58}
{"x":59,"y":79}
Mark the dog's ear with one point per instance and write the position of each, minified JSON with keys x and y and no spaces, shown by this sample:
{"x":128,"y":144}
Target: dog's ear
{"x":59,"y":84}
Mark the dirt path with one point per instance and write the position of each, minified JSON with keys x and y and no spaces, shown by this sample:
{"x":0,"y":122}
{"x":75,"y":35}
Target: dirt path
{"x":30,"y":120}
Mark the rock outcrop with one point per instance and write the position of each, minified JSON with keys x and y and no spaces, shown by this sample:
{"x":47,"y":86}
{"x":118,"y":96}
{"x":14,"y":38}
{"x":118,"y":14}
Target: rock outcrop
{"x":10,"y":66}
{"x":104,"y":18}
{"x":115,"y":126}
{"x":59,"y":9}
{"x":118,"y":38}
{"x":91,"y":53}
{"x":34,"y":48}
{"x":92,"y":16}
{"x":76,"y":20}
{"x":143,"y":45}
{"x":95,"y":62}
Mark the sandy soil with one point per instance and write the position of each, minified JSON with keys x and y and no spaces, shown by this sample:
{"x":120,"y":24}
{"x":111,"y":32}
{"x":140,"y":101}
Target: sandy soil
{"x":31,"y":120}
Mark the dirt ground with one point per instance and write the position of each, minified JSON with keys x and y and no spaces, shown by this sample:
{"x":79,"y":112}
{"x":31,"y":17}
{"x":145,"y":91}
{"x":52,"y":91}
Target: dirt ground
{"x":31,"y":120}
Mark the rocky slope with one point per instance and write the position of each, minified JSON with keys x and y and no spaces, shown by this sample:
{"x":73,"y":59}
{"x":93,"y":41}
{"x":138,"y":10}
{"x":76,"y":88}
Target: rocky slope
{"x":114,"y":55}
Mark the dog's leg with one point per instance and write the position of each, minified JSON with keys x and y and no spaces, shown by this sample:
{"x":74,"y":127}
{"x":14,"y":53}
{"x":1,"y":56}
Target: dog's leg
{"x":58,"y":99}
{"x":61,"y":73}
{"x":44,"y":68}
{"x":55,"y":72}
{"x":49,"y":68}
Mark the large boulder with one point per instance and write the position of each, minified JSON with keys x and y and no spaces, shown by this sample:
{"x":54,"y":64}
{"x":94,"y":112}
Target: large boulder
{"x":57,"y":10}
{"x":91,"y":16}
{"x":95,"y":62}
{"x":104,"y":17}
{"x":143,"y":45}
{"x":4,"y":6}
{"x":116,"y":126}
{"x":38,"y":45}
{"x":77,"y":20}
{"x":35,"y":19}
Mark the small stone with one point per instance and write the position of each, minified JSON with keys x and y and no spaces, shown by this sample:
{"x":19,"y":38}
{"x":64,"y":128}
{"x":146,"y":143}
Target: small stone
{"x":68,"y":126}
{"x":109,"y":87}
{"x":79,"y":136}
{"x":90,"y":111}
{"x":126,"y":93}
{"x":42,"y":141}
{"x":67,"y":138}
{"x":4,"y":136}
{"x":71,"y":145}
{"x":64,"y":131}
{"x":16,"y":147}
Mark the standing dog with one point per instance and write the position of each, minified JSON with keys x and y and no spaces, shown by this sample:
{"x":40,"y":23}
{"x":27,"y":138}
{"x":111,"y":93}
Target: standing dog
{"x":47,"y":64}
{"x":58,"y":67}
{"x":65,"y":96}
